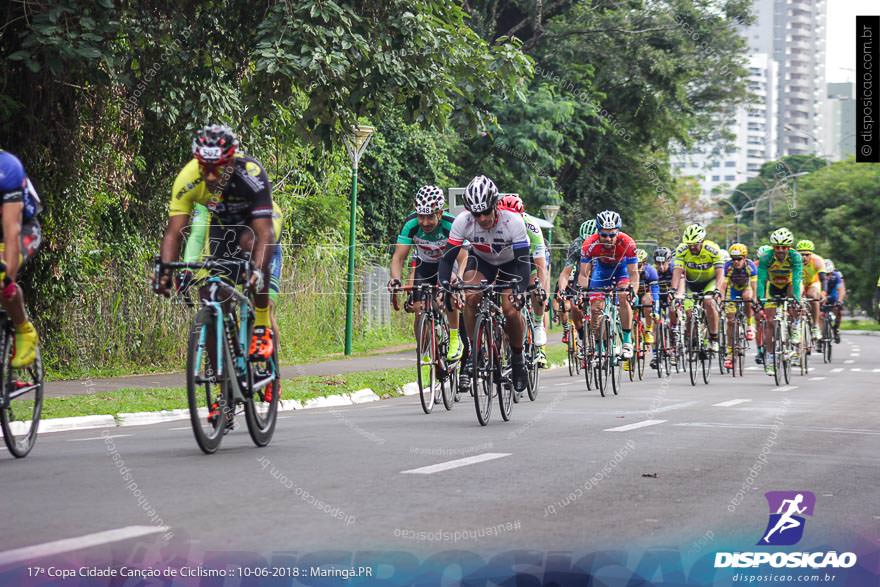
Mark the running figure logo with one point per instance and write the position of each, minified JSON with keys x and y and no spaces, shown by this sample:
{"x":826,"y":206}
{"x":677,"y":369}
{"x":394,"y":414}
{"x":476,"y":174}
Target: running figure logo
{"x":786,"y":524}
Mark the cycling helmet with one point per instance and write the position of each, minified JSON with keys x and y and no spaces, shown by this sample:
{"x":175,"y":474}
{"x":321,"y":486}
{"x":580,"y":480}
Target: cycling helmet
{"x":782,"y":236}
{"x":806,"y":246}
{"x":588,"y":228}
{"x":214,"y":145}
{"x":662,"y":254}
{"x":481,"y":195}
{"x":429,"y":199}
{"x":11,"y":172}
{"x":829,"y":266}
{"x":763,"y":249}
{"x":693,"y":234}
{"x":608,"y":220}
{"x":738,"y":250}
{"x":512,"y":202}
{"x":641,"y":255}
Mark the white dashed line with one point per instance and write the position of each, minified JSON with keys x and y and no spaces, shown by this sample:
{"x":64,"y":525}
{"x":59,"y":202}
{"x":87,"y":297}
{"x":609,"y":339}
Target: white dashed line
{"x":855,"y":369}
{"x":489,"y":456}
{"x":786,"y":388}
{"x":80,"y":542}
{"x":787,"y":427}
{"x":848,"y":362}
{"x":817,"y":378}
{"x":97,"y":437}
{"x":634,"y":426}
{"x":732,"y":402}
{"x":837,"y":370}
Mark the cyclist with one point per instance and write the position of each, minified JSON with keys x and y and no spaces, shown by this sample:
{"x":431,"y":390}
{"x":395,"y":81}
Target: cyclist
{"x":813,"y":284}
{"x":698,"y":267}
{"x":568,"y":278}
{"x":615,"y":264}
{"x":741,"y":276}
{"x":759,"y":334}
{"x":236,"y":190}
{"x":539,"y":276}
{"x":835,"y":290}
{"x":500,"y":246}
{"x":649,"y":296}
{"x":663,"y":264}
{"x":427,"y":227}
{"x":21,"y":239}
{"x":780,"y":272}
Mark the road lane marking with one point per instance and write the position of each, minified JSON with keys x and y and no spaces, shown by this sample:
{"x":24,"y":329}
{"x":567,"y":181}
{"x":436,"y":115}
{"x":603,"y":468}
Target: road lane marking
{"x":787,"y":427}
{"x":98,"y":437}
{"x":855,"y":369}
{"x":837,"y":370}
{"x":561,"y":384}
{"x":875,"y":370}
{"x":488,"y":456}
{"x":731,"y":402}
{"x":848,"y":362}
{"x":672,"y":407}
{"x":786,"y":388}
{"x":190,"y":427}
{"x":634,"y":426}
{"x":752,"y":368}
{"x":817,"y":379}
{"x":80,"y":542}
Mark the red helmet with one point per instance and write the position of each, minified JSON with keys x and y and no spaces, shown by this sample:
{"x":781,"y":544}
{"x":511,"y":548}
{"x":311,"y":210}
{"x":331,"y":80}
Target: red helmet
{"x":214,"y":145}
{"x":512,"y":202}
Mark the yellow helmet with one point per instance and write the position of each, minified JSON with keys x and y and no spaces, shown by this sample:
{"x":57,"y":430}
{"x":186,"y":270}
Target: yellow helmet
{"x":806,"y":246}
{"x":738,"y":250}
{"x":641,"y":255}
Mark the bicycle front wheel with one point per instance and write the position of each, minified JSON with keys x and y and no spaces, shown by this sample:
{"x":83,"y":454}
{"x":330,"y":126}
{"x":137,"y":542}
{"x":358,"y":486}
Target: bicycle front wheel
{"x":615,"y":360}
{"x":693,"y":349}
{"x":21,"y":401}
{"x":483,"y":376}
{"x":504,"y":384}
{"x":426,"y":357}
{"x":209,"y":404}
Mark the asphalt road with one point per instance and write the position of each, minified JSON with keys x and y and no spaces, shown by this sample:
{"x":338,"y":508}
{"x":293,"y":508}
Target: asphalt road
{"x":662,"y":463}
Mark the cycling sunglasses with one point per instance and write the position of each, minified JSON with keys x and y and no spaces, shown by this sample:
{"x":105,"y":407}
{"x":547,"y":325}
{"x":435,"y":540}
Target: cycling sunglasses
{"x":608,"y":234}
{"x":483,"y":213}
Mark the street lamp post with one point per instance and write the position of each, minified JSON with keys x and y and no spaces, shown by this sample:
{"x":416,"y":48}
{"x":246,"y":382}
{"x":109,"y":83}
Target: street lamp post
{"x":355,"y":144}
{"x":550,"y":211}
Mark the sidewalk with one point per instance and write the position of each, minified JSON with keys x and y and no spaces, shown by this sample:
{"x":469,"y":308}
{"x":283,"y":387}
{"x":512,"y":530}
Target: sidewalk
{"x":372,"y":362}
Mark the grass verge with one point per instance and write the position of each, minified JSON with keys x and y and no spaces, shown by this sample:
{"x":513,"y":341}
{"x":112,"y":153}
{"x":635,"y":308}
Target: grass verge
{"x":860,"y":325}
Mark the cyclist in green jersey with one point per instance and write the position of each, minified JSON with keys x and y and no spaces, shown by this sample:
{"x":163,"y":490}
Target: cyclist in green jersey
{"x":427,"y":228}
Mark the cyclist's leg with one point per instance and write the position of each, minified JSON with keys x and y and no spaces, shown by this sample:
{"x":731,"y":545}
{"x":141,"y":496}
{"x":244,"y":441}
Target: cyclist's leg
{"x":711,"y":309}
{"x":26,"y":337}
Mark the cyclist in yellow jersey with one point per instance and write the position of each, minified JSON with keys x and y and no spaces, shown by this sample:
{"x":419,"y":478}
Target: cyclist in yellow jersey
{"x":813,"y":283}
{"x":780,"y":272}
{"x":236,"y":189}
{"x":700,"y":269}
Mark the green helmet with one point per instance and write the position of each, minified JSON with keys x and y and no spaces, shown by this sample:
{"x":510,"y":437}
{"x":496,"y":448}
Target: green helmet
{"x":764,"y":249}
{"x":588,"y":228}
{"x":806,"y":246}
{"x":693,"y":234}
{"x":782,"y":236}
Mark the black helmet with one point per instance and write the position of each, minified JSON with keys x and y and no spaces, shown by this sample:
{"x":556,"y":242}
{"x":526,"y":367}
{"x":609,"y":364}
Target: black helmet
{"x":662,"y":254}
{"x":214,"y":145}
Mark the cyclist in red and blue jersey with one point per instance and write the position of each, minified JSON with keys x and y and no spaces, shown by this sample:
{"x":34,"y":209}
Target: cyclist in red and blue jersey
{"x":21,"y":239}
{"x":500,"y":246}
{"x":608,"y":259}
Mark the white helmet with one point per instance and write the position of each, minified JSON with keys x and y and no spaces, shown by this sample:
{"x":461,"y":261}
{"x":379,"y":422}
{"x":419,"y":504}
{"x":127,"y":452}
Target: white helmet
{"x":429,"y":199}
{"x":829,"y":266}
{"x":480,"y":195}
{"x":608,"y":220}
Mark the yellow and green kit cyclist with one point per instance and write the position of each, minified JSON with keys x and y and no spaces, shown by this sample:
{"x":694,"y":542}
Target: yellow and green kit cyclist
{"x":780,"y":272}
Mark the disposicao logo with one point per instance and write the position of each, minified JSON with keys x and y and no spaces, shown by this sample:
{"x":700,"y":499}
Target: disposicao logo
{"x":787,"y":511}
{"x":785,"y":528}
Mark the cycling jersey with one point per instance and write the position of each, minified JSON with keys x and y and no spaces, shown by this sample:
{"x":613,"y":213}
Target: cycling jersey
{"x":536,"y":237}
{"x":16,"y":186}
{"x":664,"y":278}
{"x":835,"y":282}
{"x":247,"y":194}
{"x":622,"y":252}
{"x":648,"y":278}
{"x":781,"y":274}
{"x":699,"y":268}
{"x":739,"y":279}
{"x":429,"y":245}
{"x":501,"y":243}
{"x":813,"y":270}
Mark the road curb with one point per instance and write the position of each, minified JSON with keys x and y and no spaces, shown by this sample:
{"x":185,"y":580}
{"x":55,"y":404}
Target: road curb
{"x":77,"y":423}
{"x":861,"y":332}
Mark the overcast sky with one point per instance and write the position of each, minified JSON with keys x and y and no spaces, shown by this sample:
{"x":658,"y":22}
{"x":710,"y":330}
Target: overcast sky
{"x":840,"y":44}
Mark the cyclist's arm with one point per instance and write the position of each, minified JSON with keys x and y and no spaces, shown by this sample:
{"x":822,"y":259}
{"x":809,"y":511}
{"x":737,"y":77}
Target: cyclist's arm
{"x":762,"y":278}
{"x":541,"y":268}
{"x":264,"y":243}
{"x":633,"y":270}
{"x":170,"y":249}
{"x":461,"y":259}
{"x":12,"y":212}
{"x":444,"y":272}
{"x":401,"y":252}
{"x":522,"y":255}
{"x":195,"y":244}
{"x":797,"y":273}
{"x":565,"y":277}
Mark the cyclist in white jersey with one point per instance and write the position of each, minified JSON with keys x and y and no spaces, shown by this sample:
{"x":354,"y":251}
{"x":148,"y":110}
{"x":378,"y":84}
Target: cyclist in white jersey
{"x":500,"y":248}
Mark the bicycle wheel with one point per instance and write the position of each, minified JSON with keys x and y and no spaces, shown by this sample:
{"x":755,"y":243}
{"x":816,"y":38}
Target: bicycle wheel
{"x":602,"y":370}
{"x":804,"y":349}
{"x":631,"y":362}
{"x":705,"y":350}
{"x":588,"y":352}
{"x":615,"y":361}
{"x":642,"y":353}
{"x":778,"y":352}
{"x":504,"y":384}
{"x":829,"y":338}
{"x":207,"y":396}
{"x":483,"y":376}
{"x":742,"y":344}
{"x":573,"y":363}
{"x":787,"y":353}
{"x":735,"y":346}
{"x":21,"y":400}
{"x":261,"y":408}
{"x":722,"y":342}
{"x":426,"y":361}
{"x":692,"y":341}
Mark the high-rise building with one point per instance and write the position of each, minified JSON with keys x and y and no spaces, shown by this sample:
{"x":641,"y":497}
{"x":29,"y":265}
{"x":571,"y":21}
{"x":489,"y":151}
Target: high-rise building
{"x":840,"y":122}
{"x":792,"y":32}
{"x":720,"y":164}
